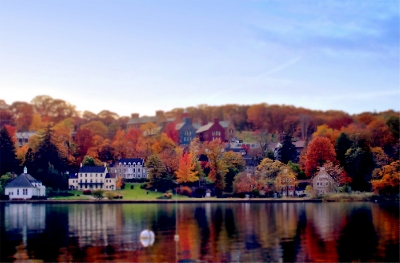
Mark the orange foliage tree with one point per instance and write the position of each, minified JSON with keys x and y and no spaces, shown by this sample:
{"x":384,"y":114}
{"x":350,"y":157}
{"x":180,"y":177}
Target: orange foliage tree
{"x":246,"y":183}
{"x":186,"y":172}
{"x":319,"y":151}
{"x":325,"y":131}
{"x":390,"y":179}
{"x":218,"y":168}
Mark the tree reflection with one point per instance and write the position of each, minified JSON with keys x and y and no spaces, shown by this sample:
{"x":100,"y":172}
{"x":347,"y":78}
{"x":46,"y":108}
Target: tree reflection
{"x":358,"y":239}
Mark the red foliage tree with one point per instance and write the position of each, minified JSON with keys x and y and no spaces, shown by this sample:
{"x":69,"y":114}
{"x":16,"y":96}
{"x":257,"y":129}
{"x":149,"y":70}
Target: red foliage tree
{"x":172,"y":132}
{"x":83,"y":140}
{"x":319,"y":151}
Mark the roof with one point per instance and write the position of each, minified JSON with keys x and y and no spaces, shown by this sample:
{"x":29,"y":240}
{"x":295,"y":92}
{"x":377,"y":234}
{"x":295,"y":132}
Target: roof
{"x":179,"y":126}
{"x":73,"y":176}
{"x":224,"y":124}
{"x":92,"y":169}
{"x":205,"y":127}
{"x":23,"y":180}
{"x":128,"y":160}
{"x":108,"y":175}
{"x":23,"y":135}
{"x":196,"y":125}
{"x":143,"y":119}
{"x":300,"y":144}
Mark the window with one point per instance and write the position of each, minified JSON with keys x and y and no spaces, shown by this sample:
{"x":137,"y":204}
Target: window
{"x":85,"y":175}
{"x":25,"y":191}
{"x":17,"y":191}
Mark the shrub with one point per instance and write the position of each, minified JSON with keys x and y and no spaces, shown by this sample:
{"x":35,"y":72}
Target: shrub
{"x":143,"y":186}
{"x":99,"y":194}
{"x":35,"y":197}
{"x":110,"y":195}
{"x":185,"y":190}
{"x":87,"y":192}
{"x":169,"y":195}
{"x":132,"y":186}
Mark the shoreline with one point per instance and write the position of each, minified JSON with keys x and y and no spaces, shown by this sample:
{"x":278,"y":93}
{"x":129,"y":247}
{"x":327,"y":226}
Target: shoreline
{"x":167,"y":201}
{"x":172,"y":201}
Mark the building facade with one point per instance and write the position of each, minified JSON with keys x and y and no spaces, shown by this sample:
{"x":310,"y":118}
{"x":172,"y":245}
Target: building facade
{"x":186,"y":131}
{"x":129,"y":168}
{"x":211,"y":131}
{"x":24,"y":187}
{"x":323,"y":183}
{"x":92,"y":178}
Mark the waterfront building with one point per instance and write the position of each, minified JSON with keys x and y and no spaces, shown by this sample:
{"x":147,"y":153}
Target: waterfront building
{"x":92,"y":178}
{"x":24,"y":187}
{"x":129,"y":168}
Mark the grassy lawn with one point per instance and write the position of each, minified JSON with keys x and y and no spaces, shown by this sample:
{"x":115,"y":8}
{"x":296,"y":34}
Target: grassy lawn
{"x":128,"y":194}
{"x":142,"y":194}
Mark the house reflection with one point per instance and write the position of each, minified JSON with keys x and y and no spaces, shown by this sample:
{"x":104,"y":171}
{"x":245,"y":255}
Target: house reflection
{"x":22,"y":219}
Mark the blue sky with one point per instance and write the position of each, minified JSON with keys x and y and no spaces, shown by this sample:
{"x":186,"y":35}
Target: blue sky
{"x":143,"y":56}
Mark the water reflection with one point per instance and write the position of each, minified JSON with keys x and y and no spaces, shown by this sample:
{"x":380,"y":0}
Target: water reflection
{"x":329,"y":232}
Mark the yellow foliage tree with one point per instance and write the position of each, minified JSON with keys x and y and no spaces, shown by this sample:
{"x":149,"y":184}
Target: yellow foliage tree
{"x":186,"y":172}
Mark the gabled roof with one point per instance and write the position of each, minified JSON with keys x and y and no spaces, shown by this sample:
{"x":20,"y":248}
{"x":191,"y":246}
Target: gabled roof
{"x":23,"y":180}
{"x":24,"y":135}
{"x":92,"y":169}
{"x":196,"y":125}
{"x":205,"y":127}
{"x":224,"y":124}
{"x":108,"y":175}
{"x":179,"y":126}
{"x":73,"y":176}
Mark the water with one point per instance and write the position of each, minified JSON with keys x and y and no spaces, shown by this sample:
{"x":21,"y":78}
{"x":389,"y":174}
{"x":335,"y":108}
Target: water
{"x":245,"y":232}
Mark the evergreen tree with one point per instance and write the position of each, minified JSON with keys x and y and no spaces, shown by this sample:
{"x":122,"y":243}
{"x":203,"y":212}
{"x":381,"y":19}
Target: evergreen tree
{"x":343,"y":143}
{"x":8,"y":161}
{"x":359,"y":165}
{"x":49,"y":164}
{"x":288,"y":150}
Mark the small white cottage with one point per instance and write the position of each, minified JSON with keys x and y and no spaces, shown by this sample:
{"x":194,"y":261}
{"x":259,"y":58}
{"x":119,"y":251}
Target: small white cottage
{"x":24,"y":187}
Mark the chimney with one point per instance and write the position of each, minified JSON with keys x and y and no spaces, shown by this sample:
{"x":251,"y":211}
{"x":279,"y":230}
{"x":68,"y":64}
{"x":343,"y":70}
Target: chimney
{"x":81,"y":165}
{"x":203,"y":122}
{"x":159,"y":113}
{"x":185,"y":114}
{"x":135,"y":115}
{"x":105,"y":164}
{"x":187,"y":120}
{"x":216,"y":120}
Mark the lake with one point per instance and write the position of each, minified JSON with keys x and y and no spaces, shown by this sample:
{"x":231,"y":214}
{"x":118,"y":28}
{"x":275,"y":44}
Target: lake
{"x":212,"y":232}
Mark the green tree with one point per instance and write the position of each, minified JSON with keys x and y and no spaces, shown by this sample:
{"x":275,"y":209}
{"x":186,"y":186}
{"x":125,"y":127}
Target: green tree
{"x":4,"y":180}
{"x":48,"y":162}
{"x":359,"y":165}
{"x":158,"y":178}
{"x":88,"y":161}
{"x":343,"y":143}
{"x":288,"y":151}
{"x":8,"y":161}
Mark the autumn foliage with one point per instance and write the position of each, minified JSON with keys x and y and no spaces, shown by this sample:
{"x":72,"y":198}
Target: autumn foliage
{"x":186,"y":171}
{"x":320,"y":150}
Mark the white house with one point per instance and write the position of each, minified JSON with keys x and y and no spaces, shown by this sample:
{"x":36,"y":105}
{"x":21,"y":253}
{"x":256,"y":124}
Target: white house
{"x":129,"y":168}
{"x":92,"y":178}
{"x":24,"y":187}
